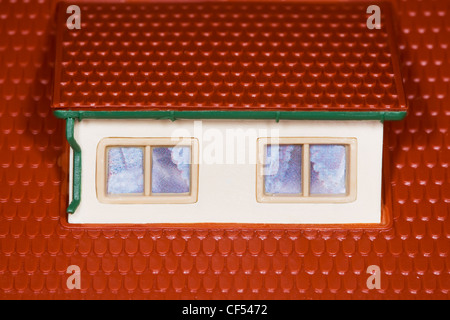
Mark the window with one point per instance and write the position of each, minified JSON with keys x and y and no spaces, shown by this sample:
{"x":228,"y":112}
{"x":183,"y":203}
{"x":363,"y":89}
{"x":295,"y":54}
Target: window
{"x":306,"y":170}
{"x":147,"y":170}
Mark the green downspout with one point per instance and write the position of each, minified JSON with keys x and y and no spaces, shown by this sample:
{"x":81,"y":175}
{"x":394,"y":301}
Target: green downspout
{"x":76,"y":190}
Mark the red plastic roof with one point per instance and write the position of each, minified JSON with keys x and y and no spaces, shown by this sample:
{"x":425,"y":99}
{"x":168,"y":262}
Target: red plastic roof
{"x":36,"y":248}
{"x":228,"y":56}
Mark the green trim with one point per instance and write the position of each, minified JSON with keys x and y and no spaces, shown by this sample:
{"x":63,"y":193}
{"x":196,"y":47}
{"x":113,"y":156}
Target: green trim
{"x":76,"y":186}
{"x":268,"y":115}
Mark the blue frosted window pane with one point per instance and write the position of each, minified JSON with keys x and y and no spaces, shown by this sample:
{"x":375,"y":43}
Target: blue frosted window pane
{"x":328,"y":169}
{"x":283,"y":169}
{"x":125,"y":170}
{"x":171,"y":169}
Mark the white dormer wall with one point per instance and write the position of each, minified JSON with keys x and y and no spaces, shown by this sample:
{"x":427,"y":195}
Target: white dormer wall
{"x":227,"y":187}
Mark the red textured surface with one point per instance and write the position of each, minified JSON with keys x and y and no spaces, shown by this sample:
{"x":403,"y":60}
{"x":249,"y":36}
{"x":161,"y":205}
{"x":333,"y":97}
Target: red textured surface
{"x":35,"y":249}
{"x":203,"y":56}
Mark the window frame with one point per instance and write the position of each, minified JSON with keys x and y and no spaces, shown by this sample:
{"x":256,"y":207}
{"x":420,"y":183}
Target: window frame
{"x":305,"y":196}
{"x":147,"y":144}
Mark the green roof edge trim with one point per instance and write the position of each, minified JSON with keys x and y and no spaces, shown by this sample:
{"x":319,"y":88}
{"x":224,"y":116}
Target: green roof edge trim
{"x":216,"y":114}
{"x":76,"y":187}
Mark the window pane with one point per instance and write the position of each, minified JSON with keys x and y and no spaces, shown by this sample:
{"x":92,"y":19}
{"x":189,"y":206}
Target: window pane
{"x":283,"y":169}
{"x":328,"y":169}
{"x":125,"y":170}
{"x":171,"y":169}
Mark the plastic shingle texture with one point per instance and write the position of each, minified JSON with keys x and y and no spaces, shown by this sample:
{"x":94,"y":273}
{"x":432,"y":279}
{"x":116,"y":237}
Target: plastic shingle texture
{"x":36,"y":249}
{"x":222,"y":56}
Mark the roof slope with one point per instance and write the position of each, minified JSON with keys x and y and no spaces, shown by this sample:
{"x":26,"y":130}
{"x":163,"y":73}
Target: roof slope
{"x":35,"y":249}
{"x":222,"y":56}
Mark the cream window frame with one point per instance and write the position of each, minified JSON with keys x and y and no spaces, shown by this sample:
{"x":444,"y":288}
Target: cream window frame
{"x":305,"y":196}
{"x":147,"y":144}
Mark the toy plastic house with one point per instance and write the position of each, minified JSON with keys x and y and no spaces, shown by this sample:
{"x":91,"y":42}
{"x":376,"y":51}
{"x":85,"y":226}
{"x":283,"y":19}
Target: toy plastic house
{"x":38,"y":248}
{"x":219,"y":113}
